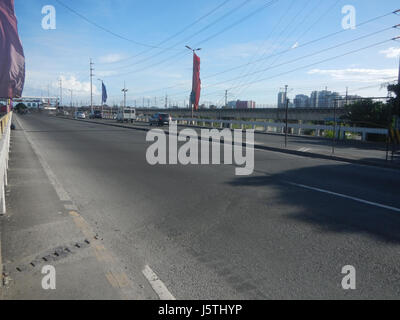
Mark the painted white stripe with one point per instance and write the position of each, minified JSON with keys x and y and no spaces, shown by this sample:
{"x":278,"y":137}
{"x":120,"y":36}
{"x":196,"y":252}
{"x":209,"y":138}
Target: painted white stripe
{"x":157,"y":285}
{"x":304,"y":149}
{"x":345,"y":196}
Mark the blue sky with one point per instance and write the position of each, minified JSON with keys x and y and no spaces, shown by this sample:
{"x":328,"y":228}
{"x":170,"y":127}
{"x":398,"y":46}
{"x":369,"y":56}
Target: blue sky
{"x":238,"y":33}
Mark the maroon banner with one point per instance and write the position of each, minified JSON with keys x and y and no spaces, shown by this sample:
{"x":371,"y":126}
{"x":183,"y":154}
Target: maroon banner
{"x":12,"y":60}
{"x":196,"y":83}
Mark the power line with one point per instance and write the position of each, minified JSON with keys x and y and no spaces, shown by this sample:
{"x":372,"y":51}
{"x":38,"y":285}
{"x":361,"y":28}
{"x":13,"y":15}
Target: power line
{"x":184,"y":40}
{"x":177,"y":33}
{"x":205,"y":40}
{"x":300,"y":46}
{"x":315,"y":63}
{"x":307,"y":66}
{"x":291,"y":22}
{"x":281,"y":52}
{"x":295,"y":60}
{"x":105,"y":29}
{"x":308,"y":55}
{"x":270,"y":3}
{"x":298,"y":38}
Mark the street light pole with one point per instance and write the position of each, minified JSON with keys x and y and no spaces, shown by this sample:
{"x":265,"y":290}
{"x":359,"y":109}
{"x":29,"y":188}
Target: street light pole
{"x":60,"y":92}
{"x":91,"y":85}
{"x":286,"y":117}
{"x":124,"y":90}
{"x":70,"y":90}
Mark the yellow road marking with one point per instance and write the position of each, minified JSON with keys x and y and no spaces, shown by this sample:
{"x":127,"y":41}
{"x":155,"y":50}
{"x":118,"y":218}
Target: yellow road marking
{"x":115,"y":278}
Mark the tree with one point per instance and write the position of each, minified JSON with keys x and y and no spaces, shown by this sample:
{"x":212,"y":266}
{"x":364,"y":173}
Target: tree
{"x":367,"y":113}
{"x":395,"y":102}
{"x":20,"y":108}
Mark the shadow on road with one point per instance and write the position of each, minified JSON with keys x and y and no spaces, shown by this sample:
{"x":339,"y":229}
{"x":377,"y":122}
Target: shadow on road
{"x":330,"y":213}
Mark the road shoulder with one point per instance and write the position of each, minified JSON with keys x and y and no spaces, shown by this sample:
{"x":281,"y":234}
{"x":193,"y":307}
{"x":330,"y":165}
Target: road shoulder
{"x":40,"y":230}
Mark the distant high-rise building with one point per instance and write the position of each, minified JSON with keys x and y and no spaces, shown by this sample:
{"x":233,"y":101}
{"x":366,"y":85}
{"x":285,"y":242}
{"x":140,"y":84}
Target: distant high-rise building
{"x":314,"y":99}
{"x":245,"y":104}
{"x":317,"y":99}
{"x":281,"y":100}
{"x":231,"y":104}
{"x":324,"y":99}
{"x":301,"y":101}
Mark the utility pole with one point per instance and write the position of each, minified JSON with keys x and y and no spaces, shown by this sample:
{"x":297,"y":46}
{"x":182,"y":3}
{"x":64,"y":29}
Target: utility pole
{"x":347,"y":95}
{"x":71,"y":91}
{"x":91,"y":85}
{"x":286,"y":117}
{"x":124,"y":90}
{"x":398,"y":79}
{"x":60,"y":92}
{"x":334,"y":127}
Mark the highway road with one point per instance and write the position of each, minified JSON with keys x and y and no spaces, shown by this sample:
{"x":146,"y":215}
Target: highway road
{"x":349,"y":149}
{"x":285,"y":232}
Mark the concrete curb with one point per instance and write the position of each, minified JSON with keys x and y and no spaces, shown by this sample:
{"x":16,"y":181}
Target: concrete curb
{"x":273,"y":149}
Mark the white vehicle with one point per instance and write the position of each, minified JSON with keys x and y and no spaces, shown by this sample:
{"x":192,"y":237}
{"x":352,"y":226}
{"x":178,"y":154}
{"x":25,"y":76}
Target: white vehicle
{"x":129,"y":114}
{"x":80,"y":115}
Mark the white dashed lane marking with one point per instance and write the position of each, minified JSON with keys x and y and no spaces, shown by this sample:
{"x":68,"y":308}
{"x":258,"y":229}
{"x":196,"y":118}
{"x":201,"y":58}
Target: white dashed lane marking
{"x":157,"y":285}
{"x":345,"y":196}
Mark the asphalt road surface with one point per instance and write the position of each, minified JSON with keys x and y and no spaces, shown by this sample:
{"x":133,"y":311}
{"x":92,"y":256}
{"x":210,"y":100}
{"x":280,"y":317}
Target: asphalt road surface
{"x":350,"y":149}
{"x":284,"y":232}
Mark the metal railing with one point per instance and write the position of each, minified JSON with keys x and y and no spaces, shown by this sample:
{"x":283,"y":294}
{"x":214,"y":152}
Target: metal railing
{"x":277,"y":127}
{"x":5,"y":130}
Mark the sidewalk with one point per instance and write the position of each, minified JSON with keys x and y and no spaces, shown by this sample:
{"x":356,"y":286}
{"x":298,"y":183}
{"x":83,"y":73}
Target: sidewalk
{"x":39,"y":229}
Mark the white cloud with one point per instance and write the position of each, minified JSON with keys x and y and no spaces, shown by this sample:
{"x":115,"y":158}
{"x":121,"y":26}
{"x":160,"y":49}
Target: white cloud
{"x":358,"y":75}
{"x":245,"y":50}
{"x":111,"y":58}
{"x":103,"y":74}
{"x":391,"y":52}
{"x":77,"y":86}
{"x":37,"y":82}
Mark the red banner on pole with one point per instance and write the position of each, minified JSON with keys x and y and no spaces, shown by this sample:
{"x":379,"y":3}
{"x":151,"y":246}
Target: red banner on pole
{"x":12,"y":59}
{"x":196,"y":83}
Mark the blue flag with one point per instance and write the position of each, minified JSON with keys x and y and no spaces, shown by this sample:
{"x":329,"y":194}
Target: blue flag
{"x":104,"y":93}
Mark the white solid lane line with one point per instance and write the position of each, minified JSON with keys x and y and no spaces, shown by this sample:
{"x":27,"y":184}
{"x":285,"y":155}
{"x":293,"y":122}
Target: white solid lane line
{"x":157,"y":285}
{"x":304,"y":149}
{"x":345,"y":196}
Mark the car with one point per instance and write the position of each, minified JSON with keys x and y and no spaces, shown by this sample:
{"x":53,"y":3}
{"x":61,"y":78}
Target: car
{"x":160,"y":119}
{"x":80,"y":115}
{"x":97,"y":114}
